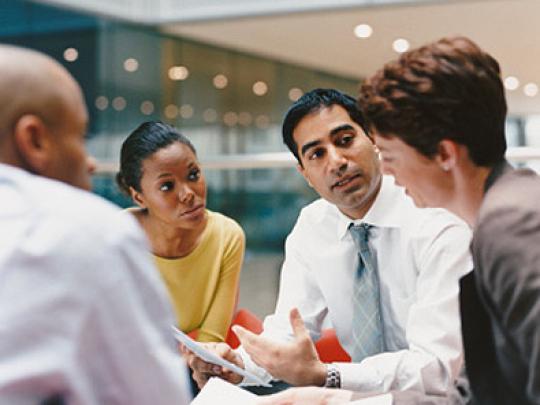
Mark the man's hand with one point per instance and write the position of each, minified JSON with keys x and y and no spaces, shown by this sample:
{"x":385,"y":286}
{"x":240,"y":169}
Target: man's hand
{"x":202,"y":371}
{"x":307,"y":396}
{"x":294,"y":362}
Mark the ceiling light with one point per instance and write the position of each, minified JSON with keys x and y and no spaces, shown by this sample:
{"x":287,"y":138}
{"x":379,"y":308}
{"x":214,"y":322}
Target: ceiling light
{"x":511,"y":83}
{"x":401,"y":45}
{"x":210,"y":115}
{"x":171,"y":111}
{"x":71,"y":54}
{"x":186,"y":111}
{"x":119,"y":103}
{"x":260,"y":88}
{"x":363,"y":31}
{"x":131,"y":65}
{"x":295,"y":93}
{"x":220,"y":81}
{"x":147,"y":107}
{"x":102,"y":103}
{"x":230,"y":118}
{"x":178,"y":73}
{"x":530,"y":89}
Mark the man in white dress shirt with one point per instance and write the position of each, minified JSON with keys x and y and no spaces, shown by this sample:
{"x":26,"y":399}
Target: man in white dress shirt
{"x":420,"y":256}
{"x":84,"y":317}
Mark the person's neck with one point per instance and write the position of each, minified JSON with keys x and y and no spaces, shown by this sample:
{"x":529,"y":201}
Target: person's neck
{"x":361,"y":211}
{"x":469,"y":191}
{"x":9,"y":155}
{"x":168,"y":241}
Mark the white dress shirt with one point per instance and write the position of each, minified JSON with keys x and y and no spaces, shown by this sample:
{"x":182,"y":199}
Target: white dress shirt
{"x":83,"y":313}
{"x":420,"y":254}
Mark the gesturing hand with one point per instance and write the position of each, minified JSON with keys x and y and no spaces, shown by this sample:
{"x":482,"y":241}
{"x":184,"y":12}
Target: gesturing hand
{"x":295,"y":362}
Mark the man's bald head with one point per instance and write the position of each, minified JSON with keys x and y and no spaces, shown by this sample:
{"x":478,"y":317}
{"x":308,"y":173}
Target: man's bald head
{"x":42,"y":117}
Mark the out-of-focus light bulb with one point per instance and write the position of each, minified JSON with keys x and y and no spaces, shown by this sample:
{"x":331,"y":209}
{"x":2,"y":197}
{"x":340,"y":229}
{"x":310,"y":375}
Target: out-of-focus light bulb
{"x":363,"y":31}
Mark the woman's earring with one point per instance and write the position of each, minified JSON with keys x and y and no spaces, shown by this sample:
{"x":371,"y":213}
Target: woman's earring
{"x":377,"y":151}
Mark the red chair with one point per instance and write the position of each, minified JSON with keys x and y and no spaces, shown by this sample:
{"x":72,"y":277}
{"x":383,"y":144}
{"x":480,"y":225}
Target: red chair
{"x":330,"y":349}
{"x":248,"y":320}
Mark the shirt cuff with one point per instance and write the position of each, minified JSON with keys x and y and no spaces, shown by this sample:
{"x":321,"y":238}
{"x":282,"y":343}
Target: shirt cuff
{"x":251,"y":367}
{"x":355,"y":377}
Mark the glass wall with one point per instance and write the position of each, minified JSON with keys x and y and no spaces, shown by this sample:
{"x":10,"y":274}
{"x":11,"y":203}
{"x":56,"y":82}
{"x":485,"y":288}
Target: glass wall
{"x":225,"y":101}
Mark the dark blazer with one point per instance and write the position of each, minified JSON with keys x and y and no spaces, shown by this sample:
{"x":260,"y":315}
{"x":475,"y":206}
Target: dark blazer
{"x":500,"y":299}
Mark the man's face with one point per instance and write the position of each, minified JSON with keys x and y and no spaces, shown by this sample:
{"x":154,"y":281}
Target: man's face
{"x":424,"y":180}
{"x":69,"y":162}
{"x":338,"y":160}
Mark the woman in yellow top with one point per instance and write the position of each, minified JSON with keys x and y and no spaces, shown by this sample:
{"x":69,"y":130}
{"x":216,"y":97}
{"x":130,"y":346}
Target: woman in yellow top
{"x":198,"y":252}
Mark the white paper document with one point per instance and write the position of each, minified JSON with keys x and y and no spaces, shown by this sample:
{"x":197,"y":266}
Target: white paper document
{"x":385,"y":399}
{"x":218,"y":391}
{"x":210,"y":357}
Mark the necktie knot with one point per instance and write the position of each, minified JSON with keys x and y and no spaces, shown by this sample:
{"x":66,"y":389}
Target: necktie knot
{"x":360,"y":234}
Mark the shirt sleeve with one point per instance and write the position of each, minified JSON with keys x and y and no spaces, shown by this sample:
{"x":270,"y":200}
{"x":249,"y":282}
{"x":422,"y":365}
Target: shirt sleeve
{"x":433,"y":329}
{"x":129,"y":327}
{"x":506,"y":246}
{"x":297,"y":289}
{"x":91,"y":319}
{"x":218,"y":319}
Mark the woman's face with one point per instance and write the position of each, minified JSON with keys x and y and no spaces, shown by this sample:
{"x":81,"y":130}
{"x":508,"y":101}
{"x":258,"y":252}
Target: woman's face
{"x":173,"y":187}
{"x":423,"y":178}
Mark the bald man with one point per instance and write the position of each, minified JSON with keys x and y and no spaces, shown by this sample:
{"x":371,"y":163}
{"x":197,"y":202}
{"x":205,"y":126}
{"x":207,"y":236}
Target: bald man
{"x":84,"y":317}
{"x":43,"y":118}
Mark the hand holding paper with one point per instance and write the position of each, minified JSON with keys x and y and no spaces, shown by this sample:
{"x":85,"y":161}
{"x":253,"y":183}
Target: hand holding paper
{"x":214,"y":359}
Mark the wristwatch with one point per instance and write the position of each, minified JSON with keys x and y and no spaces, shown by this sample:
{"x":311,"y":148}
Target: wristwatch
{"x":333,"y":376}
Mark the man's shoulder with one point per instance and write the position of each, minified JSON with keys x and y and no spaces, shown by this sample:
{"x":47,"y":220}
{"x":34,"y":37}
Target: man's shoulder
{"x":67,"y":209}
{"x":316,"y":224}
{"x":84,"y":208}
{"x":316,"y":210}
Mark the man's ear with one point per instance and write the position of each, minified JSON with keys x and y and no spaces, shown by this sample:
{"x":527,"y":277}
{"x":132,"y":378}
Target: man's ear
{"x":302,"y":171}
{"x":34,"y":143}
{"x":447,"y":154}
{"x":137,"y":197}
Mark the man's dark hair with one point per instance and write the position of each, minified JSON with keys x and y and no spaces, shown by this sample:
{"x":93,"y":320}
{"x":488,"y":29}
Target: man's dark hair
{"x":449,"y":89}
{"x":146,"y":140}
{"x":313,"y":101}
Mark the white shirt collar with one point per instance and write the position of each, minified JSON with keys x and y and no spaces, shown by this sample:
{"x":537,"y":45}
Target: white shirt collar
{"x":384,"y":213}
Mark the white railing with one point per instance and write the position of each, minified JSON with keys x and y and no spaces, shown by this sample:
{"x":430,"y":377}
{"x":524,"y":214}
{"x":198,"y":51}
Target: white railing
{"x":285,"y":159}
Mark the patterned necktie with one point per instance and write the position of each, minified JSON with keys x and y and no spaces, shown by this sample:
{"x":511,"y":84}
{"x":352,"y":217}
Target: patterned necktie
{"x":367,"y":331}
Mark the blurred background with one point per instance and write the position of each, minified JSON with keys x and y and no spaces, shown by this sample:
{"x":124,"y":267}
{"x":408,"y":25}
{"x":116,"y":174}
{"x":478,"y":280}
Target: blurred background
{"x":225,"y":72}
